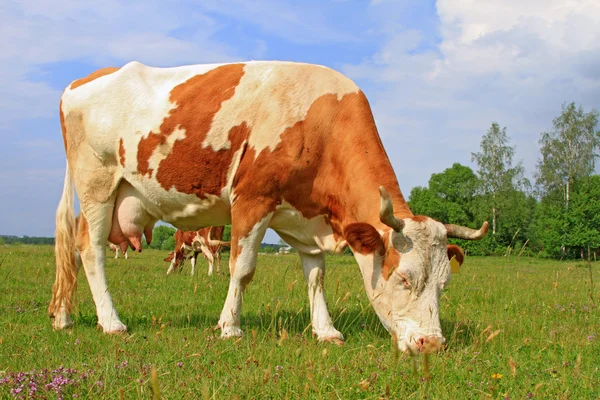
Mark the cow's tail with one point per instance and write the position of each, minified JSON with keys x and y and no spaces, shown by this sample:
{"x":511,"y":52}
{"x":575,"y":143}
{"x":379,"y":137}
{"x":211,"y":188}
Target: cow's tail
{"x":64,"y":249}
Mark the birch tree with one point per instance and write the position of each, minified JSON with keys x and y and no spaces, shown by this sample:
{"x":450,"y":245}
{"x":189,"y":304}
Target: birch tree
{"x":498,"y":177}
{"x":568,"y":152}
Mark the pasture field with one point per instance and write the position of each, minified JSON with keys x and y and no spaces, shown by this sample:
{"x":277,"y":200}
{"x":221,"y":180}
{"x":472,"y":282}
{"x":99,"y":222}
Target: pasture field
{"x":515,"y":328}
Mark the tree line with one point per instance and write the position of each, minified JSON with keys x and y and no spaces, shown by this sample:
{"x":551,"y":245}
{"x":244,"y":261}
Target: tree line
{"x":558,"y":215}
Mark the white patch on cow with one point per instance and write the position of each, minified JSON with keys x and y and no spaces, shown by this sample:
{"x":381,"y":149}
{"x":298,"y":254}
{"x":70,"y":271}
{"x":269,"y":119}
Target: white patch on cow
{"x":271,"y":97}
{"x":228,"y":191}
{"x":311,"y":236}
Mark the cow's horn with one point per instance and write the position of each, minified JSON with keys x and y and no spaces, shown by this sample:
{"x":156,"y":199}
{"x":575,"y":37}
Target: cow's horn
{"x":386,"y":211}
{"x":462,"y":232}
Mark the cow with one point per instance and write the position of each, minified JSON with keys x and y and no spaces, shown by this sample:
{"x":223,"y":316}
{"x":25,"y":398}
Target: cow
{"x":116,"y":249}
{"x":189,"y":244}
{"x":261,"y":144}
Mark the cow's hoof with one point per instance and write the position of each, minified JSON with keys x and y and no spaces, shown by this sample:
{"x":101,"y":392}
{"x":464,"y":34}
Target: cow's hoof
{"x":331,"y":336}
{"x":115,"y":327}
{"x":231,"y":332}
{"x":332,"y":339}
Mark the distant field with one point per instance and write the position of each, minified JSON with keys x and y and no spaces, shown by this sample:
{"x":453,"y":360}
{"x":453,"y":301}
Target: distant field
{"x":546,"y":343}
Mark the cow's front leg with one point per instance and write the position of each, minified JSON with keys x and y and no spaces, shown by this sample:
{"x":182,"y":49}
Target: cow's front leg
{"x":242,"y":264}
{"x":314,"y":272}
{"x":93,"y":255}
{"x":173,"y":263}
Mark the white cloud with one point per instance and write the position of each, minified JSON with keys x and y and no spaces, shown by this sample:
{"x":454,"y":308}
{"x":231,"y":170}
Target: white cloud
{"x":509,"y":61}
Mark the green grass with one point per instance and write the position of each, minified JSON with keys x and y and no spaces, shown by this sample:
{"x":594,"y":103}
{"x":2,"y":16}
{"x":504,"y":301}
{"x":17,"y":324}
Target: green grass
{"x":543,"y":312}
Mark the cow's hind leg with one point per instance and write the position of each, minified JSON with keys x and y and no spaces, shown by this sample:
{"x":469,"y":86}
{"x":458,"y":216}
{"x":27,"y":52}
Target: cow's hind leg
{"x":211,"y":261}
{"x":93,"y":255}
{"x":245,"y":242}
{"x":314,"y":272}
{"x":193,"y":261}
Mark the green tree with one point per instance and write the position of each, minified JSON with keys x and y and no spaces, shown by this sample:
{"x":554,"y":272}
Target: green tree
{"x":568,"y":152}
{"x":569,"y":232}
{"x":168,"y":244}
{"x":449,"y":197}
{"x":160,"y":234}
{"x":498,"y":178}
{"x":227,"y":233}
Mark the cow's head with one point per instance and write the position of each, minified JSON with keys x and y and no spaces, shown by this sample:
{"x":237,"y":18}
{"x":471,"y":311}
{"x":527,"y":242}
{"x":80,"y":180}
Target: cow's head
{"x":405,"y":270}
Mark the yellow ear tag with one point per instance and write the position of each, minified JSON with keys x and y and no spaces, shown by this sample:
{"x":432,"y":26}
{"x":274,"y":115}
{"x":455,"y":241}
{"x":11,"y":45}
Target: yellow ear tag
{"x":454,"y":265}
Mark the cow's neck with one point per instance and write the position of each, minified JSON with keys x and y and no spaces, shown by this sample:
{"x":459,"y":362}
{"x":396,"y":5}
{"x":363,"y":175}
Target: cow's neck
{"x":363,"y":166}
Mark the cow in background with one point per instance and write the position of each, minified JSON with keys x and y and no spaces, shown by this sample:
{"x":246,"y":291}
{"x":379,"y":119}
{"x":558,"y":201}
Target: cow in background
{"x":207,"y":241}
{"x":116,"y":249}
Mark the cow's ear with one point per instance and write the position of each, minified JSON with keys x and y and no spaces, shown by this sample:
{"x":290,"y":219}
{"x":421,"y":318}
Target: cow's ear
{"x":364,"y":238}
{"x":455,"y":251}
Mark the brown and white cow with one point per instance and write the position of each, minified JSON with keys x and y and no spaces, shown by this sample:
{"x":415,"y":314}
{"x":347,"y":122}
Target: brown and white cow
{"x":207,"y":241}
{"x":289,"y":146}
{"x":117,"y":249}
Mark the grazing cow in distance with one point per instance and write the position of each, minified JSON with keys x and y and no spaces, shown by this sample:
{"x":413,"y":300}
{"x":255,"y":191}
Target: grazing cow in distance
{"x":207,"y":241}
{"x":259,"y":144}
{"x":116,"y":249}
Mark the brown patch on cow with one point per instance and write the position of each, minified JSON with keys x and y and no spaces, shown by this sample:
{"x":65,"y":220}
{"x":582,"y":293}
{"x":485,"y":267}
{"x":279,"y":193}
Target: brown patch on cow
{"x":121,"y":153}
{"x":190,"y":168}
{"x":455,"y":251}
{"x":94,"y":75}
{"x":420,"y":218}
{"x":364,"y":239}
{"x":390,"y":262}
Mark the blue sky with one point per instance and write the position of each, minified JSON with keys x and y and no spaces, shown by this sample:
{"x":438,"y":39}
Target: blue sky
{"x":437,"y":73}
